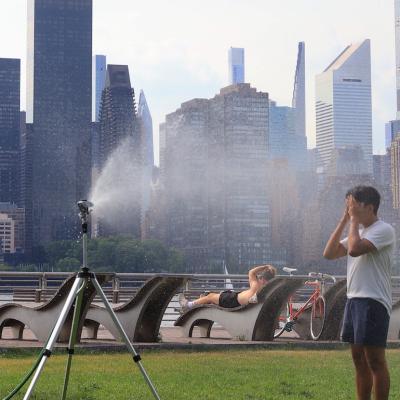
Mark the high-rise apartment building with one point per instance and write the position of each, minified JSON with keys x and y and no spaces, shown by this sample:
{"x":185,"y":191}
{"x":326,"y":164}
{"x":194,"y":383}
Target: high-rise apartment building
{"x":17,"y":214}
{"x":9,"y":129}
{"x":343,"y":105}
{"x":59,"y":80}
{"x":119,"y":131}
{"x":236,"y":65}
{"x":214,"y":172}
{"x":7,"y":234}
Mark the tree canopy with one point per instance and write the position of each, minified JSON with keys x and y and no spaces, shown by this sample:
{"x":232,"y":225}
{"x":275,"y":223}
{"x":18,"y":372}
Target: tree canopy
{"x":118,"y":254}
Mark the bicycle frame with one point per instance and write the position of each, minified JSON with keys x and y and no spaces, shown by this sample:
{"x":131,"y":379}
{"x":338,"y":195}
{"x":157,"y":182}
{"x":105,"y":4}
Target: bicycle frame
{"x":319,"y":286}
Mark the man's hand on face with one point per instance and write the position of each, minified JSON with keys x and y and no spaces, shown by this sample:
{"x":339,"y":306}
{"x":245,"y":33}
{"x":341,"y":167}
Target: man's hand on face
{"x":355,"y":209}
{"x":346,"y":215}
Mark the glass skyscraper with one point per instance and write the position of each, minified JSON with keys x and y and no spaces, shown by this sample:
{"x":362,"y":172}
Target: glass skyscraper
{"x":9,"y":129}
{"x":99,"y":72}
{"x":343,"y":105}
{"x":59,"y":80}
{"x":236,"y":65}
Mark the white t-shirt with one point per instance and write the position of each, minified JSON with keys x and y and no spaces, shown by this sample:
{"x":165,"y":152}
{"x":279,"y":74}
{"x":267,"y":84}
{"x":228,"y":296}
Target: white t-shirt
{"x":369,"y":275}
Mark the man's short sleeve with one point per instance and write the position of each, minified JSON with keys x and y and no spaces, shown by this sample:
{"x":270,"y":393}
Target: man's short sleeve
{"x":344,"y":242}
{"x":381,"y":236}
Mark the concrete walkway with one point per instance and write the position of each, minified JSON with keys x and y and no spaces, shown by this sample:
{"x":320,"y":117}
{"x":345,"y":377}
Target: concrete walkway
{"x":171,"y":339}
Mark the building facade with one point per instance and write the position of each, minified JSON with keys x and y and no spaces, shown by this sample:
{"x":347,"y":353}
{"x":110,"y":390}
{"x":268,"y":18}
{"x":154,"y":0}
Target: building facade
{"x":343,"y":105}
{"x":120,"y":142}
{"x":214,"y":172}
{"x":146,"y":132}
{"x":10,"y":77}
{"x":7,"y":234}
{"x":17,"y":214}
{"x":99,"y":71}
{"x":299,"y":91}
{"x":236,"y":65}
{"x":59,"y":78}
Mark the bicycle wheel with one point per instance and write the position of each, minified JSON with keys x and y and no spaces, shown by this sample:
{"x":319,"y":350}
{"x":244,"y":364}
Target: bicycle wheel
{"x":317,"y":319}
{"x":283,"y":318}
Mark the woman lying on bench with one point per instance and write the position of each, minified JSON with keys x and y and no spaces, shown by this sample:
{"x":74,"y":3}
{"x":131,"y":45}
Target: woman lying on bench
{"x":258,"y":278}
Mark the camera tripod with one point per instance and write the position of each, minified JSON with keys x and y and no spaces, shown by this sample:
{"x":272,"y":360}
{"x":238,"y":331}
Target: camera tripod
{"x":76,"y":295}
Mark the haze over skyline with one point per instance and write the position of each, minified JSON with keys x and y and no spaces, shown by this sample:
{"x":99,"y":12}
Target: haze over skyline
{"x":178,"y":50}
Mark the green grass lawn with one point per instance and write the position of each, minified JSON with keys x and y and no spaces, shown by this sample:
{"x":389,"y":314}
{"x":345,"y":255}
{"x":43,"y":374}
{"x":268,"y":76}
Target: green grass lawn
{"x":247,"y":375}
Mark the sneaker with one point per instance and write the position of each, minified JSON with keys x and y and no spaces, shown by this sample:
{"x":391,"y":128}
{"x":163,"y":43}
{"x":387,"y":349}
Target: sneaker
{"x":183,"y":302}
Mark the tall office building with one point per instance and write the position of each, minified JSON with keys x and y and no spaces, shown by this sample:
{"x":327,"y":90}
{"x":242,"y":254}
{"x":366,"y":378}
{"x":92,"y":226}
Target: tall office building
{"x":9,"y":129}
{"x":59,"y":78}
{"x":119,"y":131}
{"x":99,"y":72}
{"x":146,"y":133}
{"x":299,"y":92}
{"x":343,"y":105}
{"x":214,"y":171}
{"x":287,"y":125}
{"x":236,"y":65}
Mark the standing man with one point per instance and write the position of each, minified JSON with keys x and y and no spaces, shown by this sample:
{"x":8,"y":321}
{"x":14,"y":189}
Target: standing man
{"x":369,"y":249}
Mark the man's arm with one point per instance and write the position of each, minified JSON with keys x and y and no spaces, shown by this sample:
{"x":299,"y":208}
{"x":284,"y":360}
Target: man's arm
{"x":358,"y":246}
{"x":334,"y":249}
{"x":254,"y":271}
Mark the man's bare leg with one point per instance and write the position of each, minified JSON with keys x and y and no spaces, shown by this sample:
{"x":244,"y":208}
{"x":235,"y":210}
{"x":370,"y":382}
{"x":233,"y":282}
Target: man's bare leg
{"x":376,"y":360}
{"x":364,"y":378}
{"x":211,"y":298}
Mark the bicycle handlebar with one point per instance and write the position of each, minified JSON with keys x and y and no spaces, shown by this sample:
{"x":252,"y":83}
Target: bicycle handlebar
{"x":319,"y":275}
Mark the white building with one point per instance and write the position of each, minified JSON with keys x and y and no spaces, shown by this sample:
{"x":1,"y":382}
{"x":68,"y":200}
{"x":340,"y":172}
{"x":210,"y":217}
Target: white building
{"x":343,"y":105}
{"x":236,"y":65}
{"x":7,"y":234}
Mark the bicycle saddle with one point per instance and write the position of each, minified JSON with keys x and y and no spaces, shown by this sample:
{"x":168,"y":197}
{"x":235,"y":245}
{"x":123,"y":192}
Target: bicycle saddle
{"x":289,"y":270}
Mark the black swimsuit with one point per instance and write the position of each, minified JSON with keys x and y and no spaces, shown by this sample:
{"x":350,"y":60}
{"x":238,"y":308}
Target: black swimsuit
{"x":228,"y":299}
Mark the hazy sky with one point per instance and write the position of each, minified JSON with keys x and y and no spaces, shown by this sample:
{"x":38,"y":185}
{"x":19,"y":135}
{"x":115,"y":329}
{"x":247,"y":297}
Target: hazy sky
{"x":177,"y":49}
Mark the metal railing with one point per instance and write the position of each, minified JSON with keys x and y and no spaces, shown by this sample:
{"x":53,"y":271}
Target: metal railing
{"x":41,"y":286}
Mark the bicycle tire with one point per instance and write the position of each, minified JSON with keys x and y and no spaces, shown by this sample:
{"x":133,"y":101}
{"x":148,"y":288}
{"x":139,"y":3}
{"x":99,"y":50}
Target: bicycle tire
{"x":317,"y":319}
{"x":283,"y":318}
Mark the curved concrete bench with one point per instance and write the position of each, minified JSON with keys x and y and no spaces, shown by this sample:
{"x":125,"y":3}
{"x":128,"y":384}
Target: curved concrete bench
{"x":251,"y":322}
{"x":394,"y":324}
{"x":141,"y":316}
{"x":41,"y":319}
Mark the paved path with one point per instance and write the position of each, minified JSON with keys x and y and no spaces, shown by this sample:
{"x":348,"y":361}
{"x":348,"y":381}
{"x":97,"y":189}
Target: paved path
{"x":171,"y":338}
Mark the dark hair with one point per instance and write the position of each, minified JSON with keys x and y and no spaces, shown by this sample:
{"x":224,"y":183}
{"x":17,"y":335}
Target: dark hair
{"x":268,"y":273}
{"x":367,"y":195}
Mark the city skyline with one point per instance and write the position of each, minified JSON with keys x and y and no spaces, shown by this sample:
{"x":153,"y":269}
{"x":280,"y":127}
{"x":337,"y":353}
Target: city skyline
{"x":167,"y":52}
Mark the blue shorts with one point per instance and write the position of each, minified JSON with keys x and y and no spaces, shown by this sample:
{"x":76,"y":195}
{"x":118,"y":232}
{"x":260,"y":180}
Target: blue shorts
{"x":365,"y":322}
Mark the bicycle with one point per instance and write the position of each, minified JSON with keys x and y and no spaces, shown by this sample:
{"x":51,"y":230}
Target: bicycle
{"x":288,"y":315}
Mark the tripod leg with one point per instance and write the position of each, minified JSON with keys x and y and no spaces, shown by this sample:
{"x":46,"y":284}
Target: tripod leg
{"x":136,"y":356}
{"x":54,"y":335}
{"x":72,"y":336}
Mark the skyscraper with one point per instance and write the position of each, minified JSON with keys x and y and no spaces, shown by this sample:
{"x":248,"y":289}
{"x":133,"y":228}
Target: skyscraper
{"x":119,"y":131}
{"x":146,"y":133}
{"x":9,"y":129}
{"x":287,"y":125}
{"x":59,"y":68}
{"x":343,"y":105}
{"x":214,"y":172}
{"x":99,"y":71}
{"x":236,"y":65}
{"x":299,"y":92}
